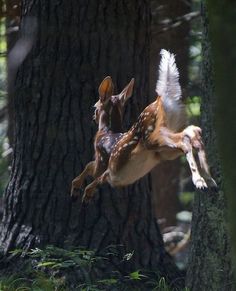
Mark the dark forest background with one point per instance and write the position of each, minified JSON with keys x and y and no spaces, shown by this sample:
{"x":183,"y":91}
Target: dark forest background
{"x":158,"y":234}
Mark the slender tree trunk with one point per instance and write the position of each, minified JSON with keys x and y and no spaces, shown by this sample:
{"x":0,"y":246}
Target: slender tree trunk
{"x":222,"y":30}
{"x":12,"y":24}
{"x":77,"y":44}
{"x":210,"y":264}
{"x":165,"y":177}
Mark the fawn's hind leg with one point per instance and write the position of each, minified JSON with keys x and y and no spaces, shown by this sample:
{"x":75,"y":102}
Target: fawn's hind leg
{"x":197,"y":143}
{"x":183,"y":141}
{"x":205,"y":168}
{"x":197,"y":179}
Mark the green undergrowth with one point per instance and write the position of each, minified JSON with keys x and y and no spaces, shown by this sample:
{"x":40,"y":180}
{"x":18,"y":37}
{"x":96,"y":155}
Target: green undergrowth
{"x":58,"y":269}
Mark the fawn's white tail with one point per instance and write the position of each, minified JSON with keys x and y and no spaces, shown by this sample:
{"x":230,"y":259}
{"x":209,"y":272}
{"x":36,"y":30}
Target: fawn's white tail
{"x":168,"y":88}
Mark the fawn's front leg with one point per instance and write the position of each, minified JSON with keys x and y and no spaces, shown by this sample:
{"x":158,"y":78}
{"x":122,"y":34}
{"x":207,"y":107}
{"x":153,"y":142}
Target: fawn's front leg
{"x":78,"y":181}
{"x":91,"y":188}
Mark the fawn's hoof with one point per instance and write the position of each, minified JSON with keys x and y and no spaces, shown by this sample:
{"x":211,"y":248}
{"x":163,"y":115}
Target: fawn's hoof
{"x":86,"y":198}
{"x":200,"y":184}
{"x":76,"y":185}
{"x":212,"y":185}
{"x":88,"y":195}
{"x":75,"y":193}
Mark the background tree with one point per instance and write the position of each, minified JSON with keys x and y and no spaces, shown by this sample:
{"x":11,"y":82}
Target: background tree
{"x":166,"y":176}
{"x":75,"y":46}
{"x":210,"y":263}
{"x":222,"y":29}
{"x":12,"y":26}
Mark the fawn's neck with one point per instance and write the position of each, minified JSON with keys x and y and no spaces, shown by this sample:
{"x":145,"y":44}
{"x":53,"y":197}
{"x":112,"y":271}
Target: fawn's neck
{"x":110,"y":121}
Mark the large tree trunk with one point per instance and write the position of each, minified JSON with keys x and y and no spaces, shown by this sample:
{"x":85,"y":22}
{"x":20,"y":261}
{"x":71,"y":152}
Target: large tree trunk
{"x":165,"y":177}
{"x":77,"y":44}
{"x":209,"y":264}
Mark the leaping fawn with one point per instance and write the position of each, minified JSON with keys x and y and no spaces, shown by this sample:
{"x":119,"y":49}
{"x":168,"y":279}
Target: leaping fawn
{"x":108,"y":115}
{"x":157,"y":135}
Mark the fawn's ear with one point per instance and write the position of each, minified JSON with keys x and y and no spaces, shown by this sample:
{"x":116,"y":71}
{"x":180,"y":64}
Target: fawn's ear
{"x":105,"y":89}
{"x":127,"y":91}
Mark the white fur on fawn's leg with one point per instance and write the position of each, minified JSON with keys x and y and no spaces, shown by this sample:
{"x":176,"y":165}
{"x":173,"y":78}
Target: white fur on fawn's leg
{"x":192,"y":131}
{"x":202,"y":160}
{"x":194,"y":134}
{"x":203,"y":163}
{"x":198,"y":181}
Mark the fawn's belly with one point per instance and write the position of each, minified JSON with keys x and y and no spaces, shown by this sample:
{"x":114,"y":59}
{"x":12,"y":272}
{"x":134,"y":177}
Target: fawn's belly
{"x":139,"y":164}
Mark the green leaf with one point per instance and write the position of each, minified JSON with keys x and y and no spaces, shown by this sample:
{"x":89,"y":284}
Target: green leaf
{"x":136,"y":275}
{"x":67,"y":264}
{"x":193,"y":106}
{"x":16,"y":252}
{"x":46,"y":264}
{"x":162,"y":285}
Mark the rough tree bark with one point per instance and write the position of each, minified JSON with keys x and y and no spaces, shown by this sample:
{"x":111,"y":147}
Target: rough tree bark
{"x":222,"y":30}
{"x":77,"y":44}
{"x":12,"y":23}
{"x":209,"y":263}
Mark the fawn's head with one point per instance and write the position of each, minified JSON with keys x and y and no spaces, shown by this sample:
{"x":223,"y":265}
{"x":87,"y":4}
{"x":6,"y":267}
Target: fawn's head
{"x":109,"y":108}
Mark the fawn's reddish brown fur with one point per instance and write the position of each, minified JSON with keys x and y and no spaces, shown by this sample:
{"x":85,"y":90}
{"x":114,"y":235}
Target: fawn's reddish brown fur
{"x":108,"y":115}
{"x":157,"y":135}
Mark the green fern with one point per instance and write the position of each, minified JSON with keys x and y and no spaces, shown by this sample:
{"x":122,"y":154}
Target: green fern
{"x":51,"y":269}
